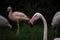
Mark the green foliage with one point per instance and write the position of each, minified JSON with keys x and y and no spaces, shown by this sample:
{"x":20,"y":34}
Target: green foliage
{"x":26,"y":33}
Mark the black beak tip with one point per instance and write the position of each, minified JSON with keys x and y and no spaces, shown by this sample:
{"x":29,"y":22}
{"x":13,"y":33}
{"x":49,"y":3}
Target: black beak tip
{"x":31,"y":25}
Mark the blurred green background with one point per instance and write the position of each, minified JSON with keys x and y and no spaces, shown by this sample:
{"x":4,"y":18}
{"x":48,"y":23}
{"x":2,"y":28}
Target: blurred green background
{"x":47,"y":7}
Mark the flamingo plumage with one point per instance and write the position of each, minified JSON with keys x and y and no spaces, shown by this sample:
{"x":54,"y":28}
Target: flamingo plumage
{"x":17,"y":16}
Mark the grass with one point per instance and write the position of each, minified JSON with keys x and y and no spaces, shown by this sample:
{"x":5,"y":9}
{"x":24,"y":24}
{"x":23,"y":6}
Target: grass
{"x":26,"y":33}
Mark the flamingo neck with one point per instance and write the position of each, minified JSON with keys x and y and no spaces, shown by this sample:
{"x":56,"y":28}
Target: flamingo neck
{"x":10,"y":14}
{"x":45,"y":28}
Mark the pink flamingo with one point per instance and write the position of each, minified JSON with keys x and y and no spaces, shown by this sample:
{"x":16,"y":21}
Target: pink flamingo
{"x":35,"y":17}
{"x":17,"y":16}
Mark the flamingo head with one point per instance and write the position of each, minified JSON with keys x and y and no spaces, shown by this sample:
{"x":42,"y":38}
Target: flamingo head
{"x":35,"y":17}
{"x":9,"y":9}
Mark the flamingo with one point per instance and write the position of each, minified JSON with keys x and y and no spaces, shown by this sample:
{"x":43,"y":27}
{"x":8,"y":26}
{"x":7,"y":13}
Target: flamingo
{"x":17,"y":16}
{"x":4,"y":22}
{"x":56,"y":21}
{"x":35,"y":17}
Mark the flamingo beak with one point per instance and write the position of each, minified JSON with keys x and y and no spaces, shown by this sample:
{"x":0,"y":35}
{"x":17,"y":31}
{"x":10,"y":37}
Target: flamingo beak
{"x":31,"y":25}
{"x":31,"y":22}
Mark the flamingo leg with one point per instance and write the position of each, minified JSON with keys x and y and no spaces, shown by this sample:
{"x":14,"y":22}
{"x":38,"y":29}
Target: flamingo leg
{"x":18,"y":27}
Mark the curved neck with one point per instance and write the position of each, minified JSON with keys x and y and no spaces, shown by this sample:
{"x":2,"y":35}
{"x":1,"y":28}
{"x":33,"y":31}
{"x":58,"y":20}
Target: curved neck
{"x":45,"y":28}
{"x":10,"y":13}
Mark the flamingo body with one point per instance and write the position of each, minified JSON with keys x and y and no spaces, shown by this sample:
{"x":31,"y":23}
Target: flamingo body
{"x":56,"y":22}
{"x":56,"y":19}
{"x":18,"y":16}
{"x":4,"y":22}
